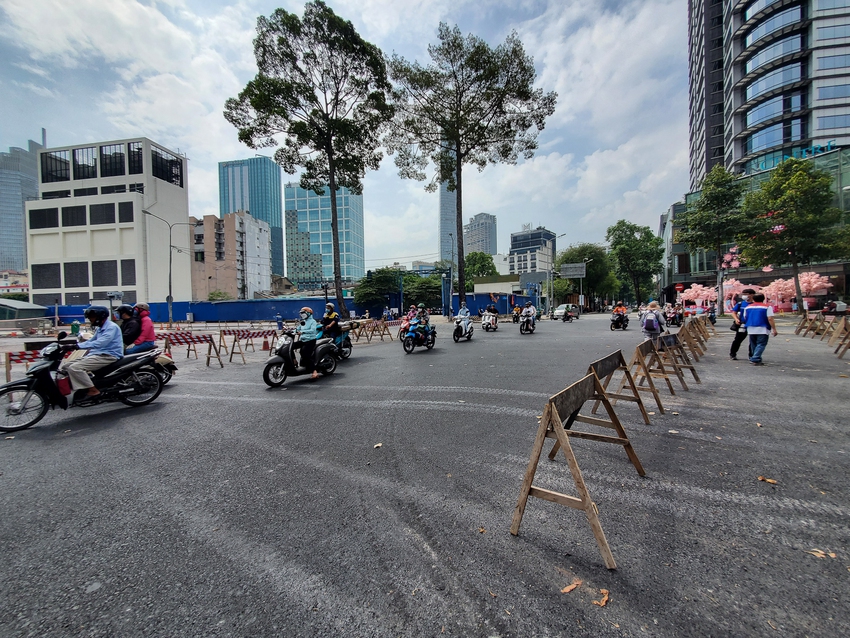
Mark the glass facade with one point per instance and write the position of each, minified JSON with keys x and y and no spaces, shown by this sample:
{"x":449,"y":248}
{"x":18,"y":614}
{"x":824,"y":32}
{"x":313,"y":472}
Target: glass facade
{"x":775,"y":79}
{"x":254,"y":185}
{"x":448,"y":224}
{"x":166,"y":166}
{"x":85,"y":163}
{"x":827,"y":62}
{"x":313,"y":217}
{"x":18,"y":184}
{"x":774,"y":23}
{"x":833,"y":92}
{"x":774,"y":51}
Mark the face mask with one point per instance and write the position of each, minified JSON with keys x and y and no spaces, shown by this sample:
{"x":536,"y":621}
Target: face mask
{"x":304,"y":315}
{"x":745,"y":297}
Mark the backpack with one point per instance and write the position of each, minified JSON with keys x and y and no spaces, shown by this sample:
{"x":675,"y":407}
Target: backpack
{"x":650,"y":322}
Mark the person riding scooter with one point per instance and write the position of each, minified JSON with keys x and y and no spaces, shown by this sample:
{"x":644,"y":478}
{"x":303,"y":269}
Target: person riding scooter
{"x":308,"y":329}
{"x":330,"y":323}
{"x":105,"y":347}
{"x":530,"y":311}
{"x":464,"y":314}
{"x":517,"y":311}
{"x":131,"y":325}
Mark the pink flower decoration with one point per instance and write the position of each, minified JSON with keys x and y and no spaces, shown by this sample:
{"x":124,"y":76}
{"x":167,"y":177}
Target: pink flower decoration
{"x":767,"y":269}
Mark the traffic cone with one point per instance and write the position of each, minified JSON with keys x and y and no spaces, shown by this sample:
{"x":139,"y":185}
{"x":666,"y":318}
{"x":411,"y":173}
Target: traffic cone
{"x":266,"y":343}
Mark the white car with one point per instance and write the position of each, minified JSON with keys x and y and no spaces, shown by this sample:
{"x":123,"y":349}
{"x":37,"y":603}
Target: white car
{"x":563,"y":308}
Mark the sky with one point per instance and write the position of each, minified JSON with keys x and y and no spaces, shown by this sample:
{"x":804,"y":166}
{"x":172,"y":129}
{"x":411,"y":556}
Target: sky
{"x":615,"y":148}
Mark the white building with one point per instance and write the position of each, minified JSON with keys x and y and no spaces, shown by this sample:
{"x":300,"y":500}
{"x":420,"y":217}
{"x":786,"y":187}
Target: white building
{"x":500,"y":261}
{"x":88,"y":232}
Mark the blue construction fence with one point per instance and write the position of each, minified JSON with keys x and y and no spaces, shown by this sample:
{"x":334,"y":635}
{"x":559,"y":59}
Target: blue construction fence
{"x":267,"y":309}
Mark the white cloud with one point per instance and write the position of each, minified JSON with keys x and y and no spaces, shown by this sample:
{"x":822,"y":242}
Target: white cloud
{"x":41,"y":91}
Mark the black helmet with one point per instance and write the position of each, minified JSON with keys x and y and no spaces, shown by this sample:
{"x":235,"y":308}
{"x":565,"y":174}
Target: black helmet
{"x":124,"y":310}
{"x":422,"y":305}
{"x":527,"y":304}
{"x":96,"y":315}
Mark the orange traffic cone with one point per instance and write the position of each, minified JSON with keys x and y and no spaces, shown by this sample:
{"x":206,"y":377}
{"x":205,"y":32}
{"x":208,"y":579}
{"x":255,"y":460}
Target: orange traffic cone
{"x":266,"y":343}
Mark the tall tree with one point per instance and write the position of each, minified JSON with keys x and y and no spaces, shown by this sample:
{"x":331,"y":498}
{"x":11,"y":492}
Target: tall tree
{"x":637,"y":253}
{"x":478,"y":264}
{"x":472,"y":105}
{"x":324,"y":89}
{"x":715,"y":219}
{"x":792,"y":220}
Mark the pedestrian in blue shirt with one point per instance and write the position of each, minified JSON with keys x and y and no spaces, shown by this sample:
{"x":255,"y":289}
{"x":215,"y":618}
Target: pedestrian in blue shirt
{"x":105,"y":347}
{"x":279,"y":320}
{"x":758,"y":317}
{"x":738,"y":325}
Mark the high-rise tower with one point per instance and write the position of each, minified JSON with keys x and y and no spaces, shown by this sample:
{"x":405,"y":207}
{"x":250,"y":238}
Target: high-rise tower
{"x":18,"y":184}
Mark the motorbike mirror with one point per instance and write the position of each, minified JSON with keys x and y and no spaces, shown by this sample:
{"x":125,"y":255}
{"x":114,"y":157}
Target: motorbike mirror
{"x":61,"y":335}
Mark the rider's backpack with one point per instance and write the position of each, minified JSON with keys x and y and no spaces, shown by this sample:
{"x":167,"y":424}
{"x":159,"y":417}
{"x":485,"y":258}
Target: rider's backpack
{"x":650,"y":322}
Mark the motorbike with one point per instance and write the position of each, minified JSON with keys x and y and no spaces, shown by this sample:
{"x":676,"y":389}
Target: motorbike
{"x":568,"y":317}
{"x":463,"y":328}
{"x":516,"y":317}
{"x":342,"y":344}
{"x":25,"y":402}
{"x":674,"y":319}
{"x":417,"y":336}
{"x":283,"y":363}
{"x":619,"y":321}
{"x":489,"y":322}
{"x":164,"y":367}
{"x":526,"y":325}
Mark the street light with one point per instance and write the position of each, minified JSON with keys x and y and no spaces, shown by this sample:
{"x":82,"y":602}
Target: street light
{"x":171,"y":247}
{"x":587,"y":260}
{"x":550,"y":280}
{"x":451,"y":271}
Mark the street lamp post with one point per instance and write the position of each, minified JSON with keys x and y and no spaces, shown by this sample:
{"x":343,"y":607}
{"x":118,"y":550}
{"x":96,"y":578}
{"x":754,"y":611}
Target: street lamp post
{"x":451,"y":271}
{"x":171,"y":247}
{"x":581,"y":286}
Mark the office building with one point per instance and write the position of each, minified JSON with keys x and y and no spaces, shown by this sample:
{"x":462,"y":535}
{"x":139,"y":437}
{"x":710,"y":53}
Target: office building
{"x":448,"y":225}
{"x":18,"y":184}
{"x":532,"y":250}
{"x":309,"y":239}
{"x":479,"y":235}
{"x":254,"y":185}
{"x":232,"y":255}
{"x":89,"y":234}
{"x":786,"y":82}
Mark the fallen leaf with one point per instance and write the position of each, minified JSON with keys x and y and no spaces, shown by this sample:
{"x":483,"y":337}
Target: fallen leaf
{"x":459,"y":401}
{"x":448,"y":475}
{"x":377,"y":445}
{"x":507,"y":612}
{"x":675,"y":413}
{"x":719,"y":438}
{"x":651,"y":413}
{"x":817,"y":553}
{"x":9,"y":438}
{"x":576,"y":582}
{"x":673,"y":431}
{"x":772,"y":625}
{"x":758,"y":424}
{"x":604,"y":600}
{"x":843,"y":376}
{"x":491,"y":593}
{"x":66,"y":431}
{"x":481,"y":530}
{"x":767,"y":480}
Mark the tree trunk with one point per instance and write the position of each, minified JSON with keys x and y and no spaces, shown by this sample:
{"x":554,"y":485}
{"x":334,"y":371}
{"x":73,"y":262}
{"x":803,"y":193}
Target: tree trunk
{"x":461,"y":275}
{"x":340,"y":300}
{"x":795,"y":271}
{"x":636,"y":285}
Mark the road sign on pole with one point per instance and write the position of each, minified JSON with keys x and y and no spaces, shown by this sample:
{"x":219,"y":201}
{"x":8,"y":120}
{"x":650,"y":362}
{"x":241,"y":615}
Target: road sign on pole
{"x":574,"y":271}
{"x":680,"y":287}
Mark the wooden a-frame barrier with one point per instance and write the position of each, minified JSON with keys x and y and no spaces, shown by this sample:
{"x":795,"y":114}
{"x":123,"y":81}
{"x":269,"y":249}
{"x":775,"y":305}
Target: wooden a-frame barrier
{"x":646,"y":365}
{"x":188,"y":339}
{"x":605,"y":369}
{"x":673,"y":352}
{"x":569,"y":401}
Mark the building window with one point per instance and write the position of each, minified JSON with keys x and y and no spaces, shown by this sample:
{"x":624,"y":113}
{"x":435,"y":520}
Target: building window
{"x":47,"y":299}
{"x":137,"y":188}
{"x":77,"y":299}
{"x":834,"y":91}
{"x":764,"y":111}
{"x":774,"y":23}
{"x":45,"y":276}
{"x":102,"y":214}
{"x":104,"y":273}
{"x":166,"y":166}
{"x":774,"y":51}
{"x":834,"y":32}
{"x":757,"y":6}
{"x":55,"y":194}
{"x":85,"y":163}
{"x":112,"y":160}
{"x":125,"y":212}
{"x":84,"y":192}
{"x":833,"y":121}
{"x":771,"y":136}
{"x":833,"y":62}
{"x":109,"y":190}
{"x":44,"y":218}
{"x":833,"y":4}
{"x":73,"y":216}
{"x":77,"y":274}
{"x":55,"y":167}
{"x":135,"y":152}
{"x":774,"y":79}
{"x":128,"y":272}
{"x":199,"y":255}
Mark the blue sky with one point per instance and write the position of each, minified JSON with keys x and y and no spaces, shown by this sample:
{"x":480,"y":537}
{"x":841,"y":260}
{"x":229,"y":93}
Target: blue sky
{"x":616,"y":147}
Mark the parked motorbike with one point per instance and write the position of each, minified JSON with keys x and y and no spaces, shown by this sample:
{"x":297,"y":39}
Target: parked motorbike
{"x":489,"y":322}
{"x":526,"y":326}
{"x":619,"y":322}
{"x":24,"y":402}
{"x":463,"y":328}
{"x":418,"y":336}
{"x":282,"y":363}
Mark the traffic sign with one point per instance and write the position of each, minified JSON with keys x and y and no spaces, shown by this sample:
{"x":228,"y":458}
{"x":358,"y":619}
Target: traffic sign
{"x":680,"y":287}
{"x":574,"y":271}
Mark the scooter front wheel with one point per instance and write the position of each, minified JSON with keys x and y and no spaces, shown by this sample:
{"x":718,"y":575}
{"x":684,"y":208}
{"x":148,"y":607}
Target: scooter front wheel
{"x":14,"y":416}
{"x":613,"y":327}
{"x":346,"y":349}
{"x":408,"y":345}
{"x":457,"y":334}
{"x":274,"y":375}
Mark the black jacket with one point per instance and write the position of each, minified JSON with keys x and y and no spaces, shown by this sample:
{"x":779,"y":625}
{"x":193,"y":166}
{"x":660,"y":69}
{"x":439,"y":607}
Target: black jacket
{"x":130,"y":330}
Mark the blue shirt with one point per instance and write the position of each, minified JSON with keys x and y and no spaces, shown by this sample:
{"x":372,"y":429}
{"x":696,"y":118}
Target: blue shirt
{"x":309,"y":329}
{"x":106,"y":340}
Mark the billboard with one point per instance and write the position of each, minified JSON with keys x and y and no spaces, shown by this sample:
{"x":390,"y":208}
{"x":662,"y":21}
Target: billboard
{"x":574,"y":271}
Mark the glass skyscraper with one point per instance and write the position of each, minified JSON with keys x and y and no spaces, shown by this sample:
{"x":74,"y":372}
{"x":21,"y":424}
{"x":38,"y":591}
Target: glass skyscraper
{"x":254,"y":185}
{"x":309,"y":214}
{"x":18,"y":184}
{"x":448,"y":224}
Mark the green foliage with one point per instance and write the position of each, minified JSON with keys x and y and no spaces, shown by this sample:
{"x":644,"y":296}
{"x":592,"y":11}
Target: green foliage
{"x":792,"y":219}
{"x":17,"y":296}
{"x":427,"y":290}
{"x":323,"y":89}
{"x":219,"y":295}
{"x":472,"y":105}
{"x":636,"y":252}
{"x":716,"y":218}
{"x":600,"y":280}
{"x":478,"y":264}
{"x":562,"y":288}
{"x":373,"y":292}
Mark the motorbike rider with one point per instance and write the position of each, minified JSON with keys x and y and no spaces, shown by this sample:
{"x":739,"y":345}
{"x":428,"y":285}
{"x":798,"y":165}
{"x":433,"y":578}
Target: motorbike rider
{"x":424,"y":319}
{"x":530,"y":311}
{"x":620,"y":313}
{"x":493,"y":311}
{"x":464,"y":314}
{"x":308,"y":329}
{"x":330,"y":323}
{"x":106,"y":346}
{"x":411,"y":313}
{"x":131,"y":326}
{"x":517,"y":311}
{"x":147,"y":337}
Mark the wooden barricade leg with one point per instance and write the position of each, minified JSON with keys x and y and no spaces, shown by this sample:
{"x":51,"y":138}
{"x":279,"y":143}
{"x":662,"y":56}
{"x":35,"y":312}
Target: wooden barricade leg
{"x":843,"y":346}
{"x":233,"y":348}
{"x":222,"y":343}
{"x":250,"y":342}
{"x":8,"y":367}
{"x":674,"y":347}
{"x":813,"y":324}
{"x":666,"y":360}
{"x":190,"y":348}
{"x":213,"y":349}
{"x":829,"y":327}
{"x":838,"y":333}
{"x":637,"y":369}
{"x":613,"y":397}
{"x":686,"y":338}
{"x":551,"y":427}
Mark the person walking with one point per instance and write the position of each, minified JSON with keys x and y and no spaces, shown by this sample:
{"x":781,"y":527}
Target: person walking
{"x":651,"y":322}
{"x":279,"y":321}
{"x":758,"y":319}
{"x":738,"y":323}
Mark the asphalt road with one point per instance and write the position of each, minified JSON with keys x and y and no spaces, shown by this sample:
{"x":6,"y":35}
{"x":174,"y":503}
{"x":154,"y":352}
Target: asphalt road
{"x":230,"y":509}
